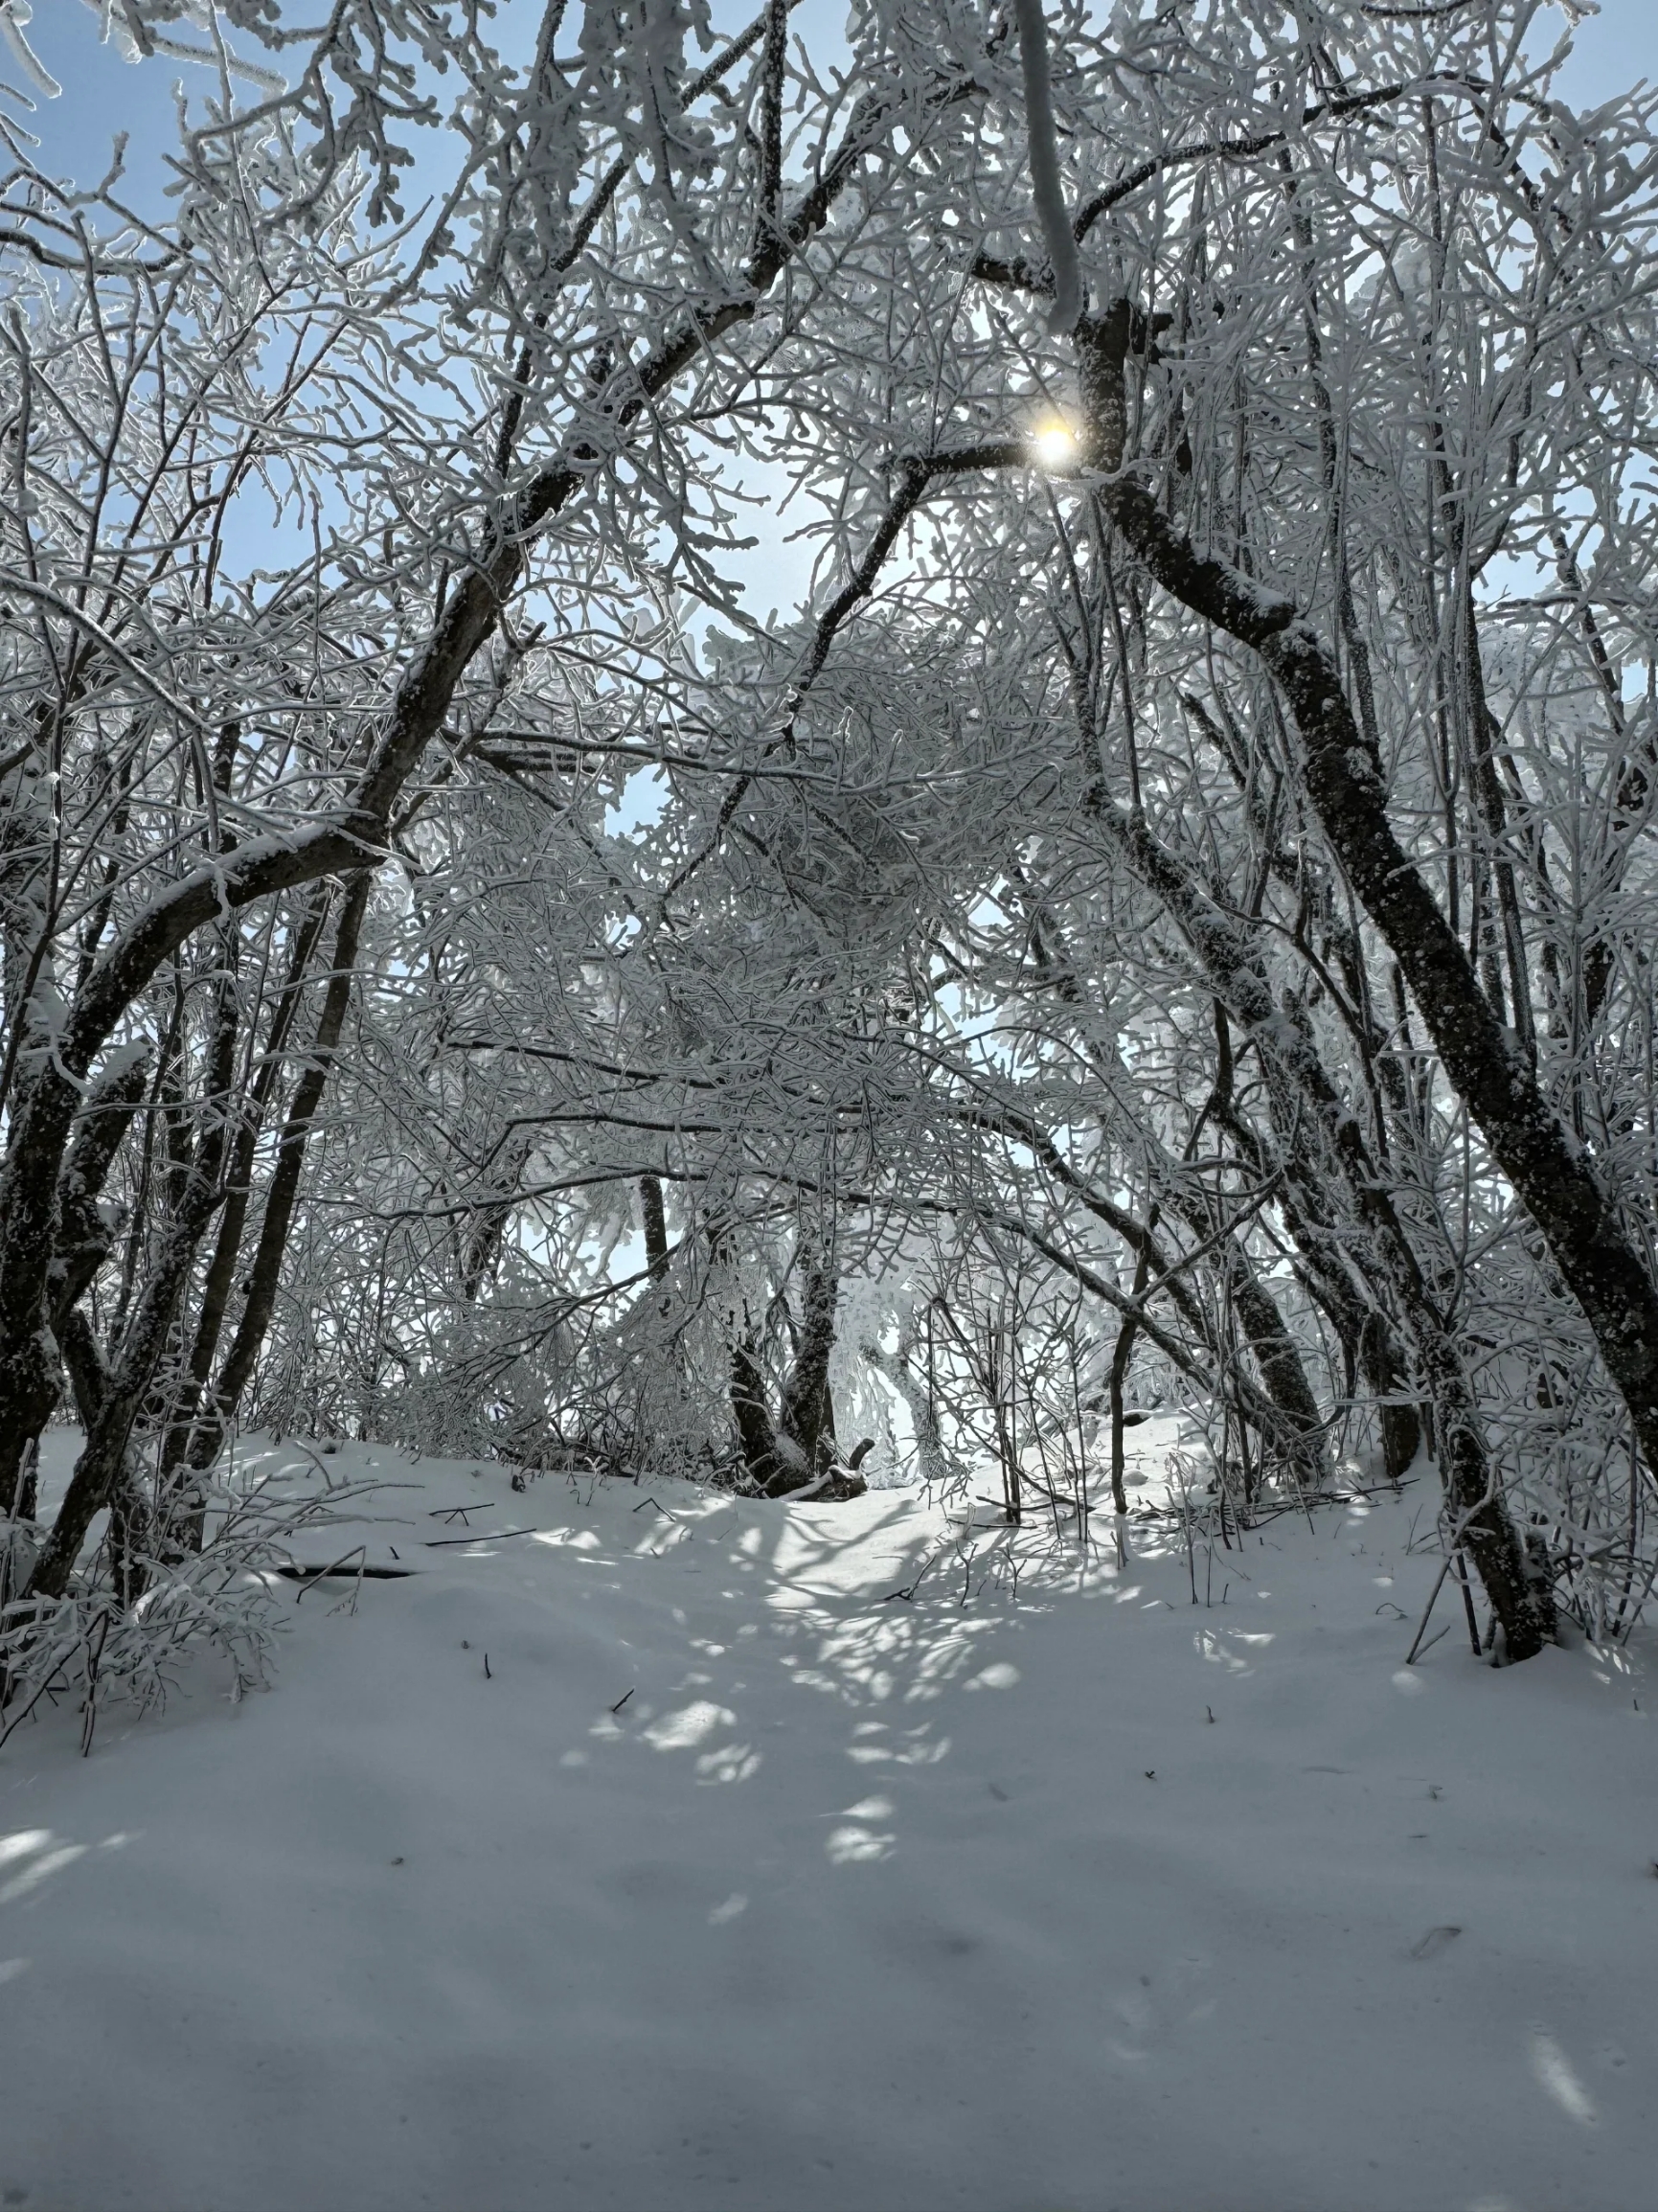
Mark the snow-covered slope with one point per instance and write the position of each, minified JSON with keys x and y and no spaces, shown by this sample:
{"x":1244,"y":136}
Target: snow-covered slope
{"x":662,"y":1859}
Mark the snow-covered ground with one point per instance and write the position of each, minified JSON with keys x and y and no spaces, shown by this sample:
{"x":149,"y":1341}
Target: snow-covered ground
{"x":662,"y":1859}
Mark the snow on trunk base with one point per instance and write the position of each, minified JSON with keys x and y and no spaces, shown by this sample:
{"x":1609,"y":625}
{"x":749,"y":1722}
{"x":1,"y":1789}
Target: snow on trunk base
{"x":660,"y":1859}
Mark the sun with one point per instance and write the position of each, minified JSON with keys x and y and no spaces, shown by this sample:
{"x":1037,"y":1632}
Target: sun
{"x":1056,"y":447}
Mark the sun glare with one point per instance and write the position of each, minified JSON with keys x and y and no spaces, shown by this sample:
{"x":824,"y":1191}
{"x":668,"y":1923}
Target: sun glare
{"x":1056,"y":447}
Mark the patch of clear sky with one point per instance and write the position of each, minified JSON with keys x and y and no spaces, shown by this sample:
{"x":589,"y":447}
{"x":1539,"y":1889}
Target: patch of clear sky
{"x":103,"y":94}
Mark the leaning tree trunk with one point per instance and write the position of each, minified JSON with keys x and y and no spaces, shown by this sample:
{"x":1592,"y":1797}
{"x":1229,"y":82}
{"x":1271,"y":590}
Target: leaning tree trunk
{"x":1522,"y":1606}
{"x":214,"y":1304}
{"x":1347,"y":785}
{"x":1369,"y":1344}
{"x":131,"y":1534}
{"x":85,"y":1238}
{"x":61,"y":1050}
{"x":116,"y":1395}
{"x":265,"y":1276}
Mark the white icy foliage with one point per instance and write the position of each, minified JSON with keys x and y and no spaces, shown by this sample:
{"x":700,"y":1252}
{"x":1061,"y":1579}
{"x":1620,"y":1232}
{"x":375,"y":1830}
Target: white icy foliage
{"x":977,"y":945}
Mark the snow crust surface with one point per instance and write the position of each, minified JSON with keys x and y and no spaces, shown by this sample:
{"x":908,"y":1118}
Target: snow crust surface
{"x":735,"y":1883}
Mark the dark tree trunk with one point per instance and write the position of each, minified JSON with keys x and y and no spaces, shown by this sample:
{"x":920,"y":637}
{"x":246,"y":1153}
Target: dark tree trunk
{"x":1386,"y":1374}
{"x":654,"y":1217}
{"x":1233,"y":975}
{"x":82,"y":1239}
{"x":1279,"y":1359}
{"x":217,"y":1288}
{"x":1121,"y":1354}
{"x":130,"y":1531}
{"x":784,"y":1454}
{"x":265,"y":1273}
{"x":120,"y":1391}
{"x":1344,"y":780}
{"x":752,"y":1417}
{"x":85,"y":1239}
{"x":355,"y":837}
{"x":487,"y":1233}
{"x":806,"y":1412}
{"x":1346,"y":784}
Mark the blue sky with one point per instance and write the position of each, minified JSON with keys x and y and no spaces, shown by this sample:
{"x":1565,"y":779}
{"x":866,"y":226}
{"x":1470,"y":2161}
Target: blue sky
{"x":102,"y":95}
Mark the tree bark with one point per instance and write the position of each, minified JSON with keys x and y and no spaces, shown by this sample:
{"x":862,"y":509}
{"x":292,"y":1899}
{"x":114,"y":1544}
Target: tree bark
{"x":85,"y":1239}
{"x":806,"y":1411}
{"x":354,"y":838}
{"x":97,"y":1473}
{"x":1558,"y":1184}
{"x":654,"y":1217}
{"x":1525,"y":1610}
{"x":265,"y":1272}
{"x":217,"y":1288}
{"x":754,"y":1434}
